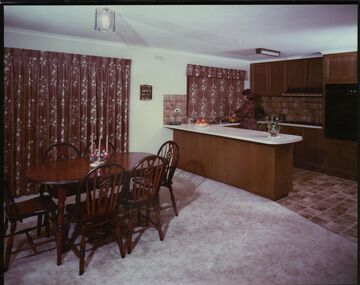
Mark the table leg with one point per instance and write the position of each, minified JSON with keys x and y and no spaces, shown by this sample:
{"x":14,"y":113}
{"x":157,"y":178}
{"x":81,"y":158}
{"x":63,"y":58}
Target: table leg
{"x":60,"y":224}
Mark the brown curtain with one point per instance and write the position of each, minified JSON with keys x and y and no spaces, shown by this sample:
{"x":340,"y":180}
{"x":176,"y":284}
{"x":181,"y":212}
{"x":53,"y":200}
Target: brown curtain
{"x":55,"y":97}
{"x":213,"y":93}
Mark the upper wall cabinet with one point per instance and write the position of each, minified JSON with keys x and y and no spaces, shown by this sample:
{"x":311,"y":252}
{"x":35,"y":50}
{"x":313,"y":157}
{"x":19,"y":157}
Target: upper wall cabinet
{"x":340,"y":68}
{"x":267,"y":79}
{"x":274,"y":78}
{"x":259,"y":78}
{"x":304,"y":73}
{"x":314,"y":72}
{"x":296,"y":74}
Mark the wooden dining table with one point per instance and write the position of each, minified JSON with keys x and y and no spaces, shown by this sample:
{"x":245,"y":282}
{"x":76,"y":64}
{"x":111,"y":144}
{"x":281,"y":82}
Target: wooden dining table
{"x":64,"y":173}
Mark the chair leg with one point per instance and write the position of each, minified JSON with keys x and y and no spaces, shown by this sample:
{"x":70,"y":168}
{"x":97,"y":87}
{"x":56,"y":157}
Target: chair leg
{"x":173,"y":201}
{"x":82,"y":254}
{"x":31,"y":242}
{"x":39,"y":223}
{"x":46,"y":223}
{"x":157,"y":220}
{"x":6,"y":225}
{"x":129,"y":235}
{"x":119,"y":240}
{"x":9,"y":246}
{"x":147,"y":214}
{"x":139,"y":216}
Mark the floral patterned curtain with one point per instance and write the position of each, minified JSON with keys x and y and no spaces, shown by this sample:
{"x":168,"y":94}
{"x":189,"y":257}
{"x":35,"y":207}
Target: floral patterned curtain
{"x":55,"y":97}
{"x":213,"y":93}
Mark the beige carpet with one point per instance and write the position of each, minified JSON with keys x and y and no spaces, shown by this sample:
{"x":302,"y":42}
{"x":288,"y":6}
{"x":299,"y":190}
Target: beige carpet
{"x":223,"y":235}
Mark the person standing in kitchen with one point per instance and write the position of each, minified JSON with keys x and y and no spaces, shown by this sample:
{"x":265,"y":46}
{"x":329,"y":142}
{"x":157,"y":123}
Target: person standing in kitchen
{"x":246,"y":111}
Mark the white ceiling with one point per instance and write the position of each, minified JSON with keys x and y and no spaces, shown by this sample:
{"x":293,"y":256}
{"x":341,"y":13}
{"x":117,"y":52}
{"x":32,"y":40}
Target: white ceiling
{"x":221,"y":30}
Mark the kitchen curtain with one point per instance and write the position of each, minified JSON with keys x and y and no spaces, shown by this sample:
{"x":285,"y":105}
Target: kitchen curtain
{"x":213,"y":93}
{"x":55,"y":97}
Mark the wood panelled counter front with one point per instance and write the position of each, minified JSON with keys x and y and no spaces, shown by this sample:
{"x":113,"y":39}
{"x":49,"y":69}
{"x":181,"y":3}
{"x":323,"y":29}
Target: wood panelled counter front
{"x":263,"y":169}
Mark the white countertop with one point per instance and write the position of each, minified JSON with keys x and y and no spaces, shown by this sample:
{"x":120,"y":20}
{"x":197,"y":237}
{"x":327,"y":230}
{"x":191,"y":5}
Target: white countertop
{"x":236,"y":133}
{"x":293,"y":125}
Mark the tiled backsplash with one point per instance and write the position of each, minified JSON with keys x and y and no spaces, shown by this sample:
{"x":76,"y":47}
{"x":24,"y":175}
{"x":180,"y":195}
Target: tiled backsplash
{"x":172,"y":102}
{"x":304,"y":109}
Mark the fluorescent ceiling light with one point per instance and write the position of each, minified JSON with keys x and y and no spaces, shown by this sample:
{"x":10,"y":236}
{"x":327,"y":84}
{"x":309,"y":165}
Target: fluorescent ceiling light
{"x":268,"y":52}
{"x":104,"y":20}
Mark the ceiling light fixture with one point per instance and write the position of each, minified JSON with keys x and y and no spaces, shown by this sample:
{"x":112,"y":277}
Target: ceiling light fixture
{"x":269,"y":52}
{"x":104,"y":20}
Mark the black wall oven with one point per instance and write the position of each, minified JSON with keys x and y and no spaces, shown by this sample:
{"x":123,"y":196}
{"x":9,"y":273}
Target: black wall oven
{"x":341,"y":111}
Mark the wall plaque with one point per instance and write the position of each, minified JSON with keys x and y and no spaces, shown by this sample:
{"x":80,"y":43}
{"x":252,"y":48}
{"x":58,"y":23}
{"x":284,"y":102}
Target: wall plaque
{"x":145,"y":92}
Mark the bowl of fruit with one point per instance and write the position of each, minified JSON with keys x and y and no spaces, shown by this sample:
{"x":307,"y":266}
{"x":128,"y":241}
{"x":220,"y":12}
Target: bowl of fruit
{"x":201,"y":123}
{"x":233,"y":119}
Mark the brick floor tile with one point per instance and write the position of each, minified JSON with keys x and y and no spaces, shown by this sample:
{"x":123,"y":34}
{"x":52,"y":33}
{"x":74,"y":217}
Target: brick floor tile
{"x":327,"y":217}
{"x":284,"y":202}
{"x":334,"y":227}
{"x":318,"y":221}
{"x":295,"y":207}
{"x":352,"y":212}
{"x":351,"y":201}
{"x":348,"y":217}
{"x":343,"y":222}
{"x":312,"y":212}
{"x":319,"y":207}
{"x":326,"y":200}
{"x":325,"y":204}
{"x":351,"y":232}
{"x":305,"y":215}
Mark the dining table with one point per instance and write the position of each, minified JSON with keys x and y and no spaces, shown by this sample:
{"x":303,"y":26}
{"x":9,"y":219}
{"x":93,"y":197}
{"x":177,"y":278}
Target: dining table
{"x":63,"y":173}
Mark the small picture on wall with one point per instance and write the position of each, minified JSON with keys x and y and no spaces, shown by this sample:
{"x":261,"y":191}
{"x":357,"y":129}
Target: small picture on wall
{"x":145,"y":92}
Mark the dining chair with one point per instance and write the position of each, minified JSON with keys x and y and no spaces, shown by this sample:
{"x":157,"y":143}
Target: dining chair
{"x":61,"y":151}
{"x":18,"y":211}
{"x":97,"y":208}
{"x":142,"y":193}
{"x":170,"y":151}
{"x":87,"y":150}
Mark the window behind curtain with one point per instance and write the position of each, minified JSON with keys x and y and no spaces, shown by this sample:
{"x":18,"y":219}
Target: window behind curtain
{"x":212,"y":92}
{"x":55,"y":97}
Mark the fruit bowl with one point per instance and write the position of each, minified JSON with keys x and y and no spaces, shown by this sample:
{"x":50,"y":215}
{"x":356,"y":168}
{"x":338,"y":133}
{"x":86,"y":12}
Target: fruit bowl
{"x":233,"y":120}
{"x":201,"y":123}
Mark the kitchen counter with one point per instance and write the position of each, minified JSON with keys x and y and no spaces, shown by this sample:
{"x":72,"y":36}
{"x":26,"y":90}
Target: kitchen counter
{"x":221,"y":130}
{"x":293,"y":125}
{"x":247,"y":159}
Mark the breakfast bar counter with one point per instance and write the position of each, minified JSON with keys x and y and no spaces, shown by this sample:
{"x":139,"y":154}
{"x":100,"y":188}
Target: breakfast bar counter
{"x":228,"y":131}
{"x":248,"y":159}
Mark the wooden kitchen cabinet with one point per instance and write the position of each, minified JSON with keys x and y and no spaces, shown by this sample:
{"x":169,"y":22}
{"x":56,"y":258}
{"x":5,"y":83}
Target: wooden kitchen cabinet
{"x":304,"y":73}
{"x":312,"y":148}
{"x":267,"y":79}
{"x":296,"y":73}
{"x":298,"y":147}
{"x":259,"y":79}
{"x":314,"y":72}
{"x":276,"y":78}
{"x":340,"y":158}
{"x":308,"y":152}
{"x":340,"y":68}
{"x":330,"y":156}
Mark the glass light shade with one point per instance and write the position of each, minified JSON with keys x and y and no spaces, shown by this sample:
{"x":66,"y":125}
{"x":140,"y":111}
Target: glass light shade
{"x":104,"y":20}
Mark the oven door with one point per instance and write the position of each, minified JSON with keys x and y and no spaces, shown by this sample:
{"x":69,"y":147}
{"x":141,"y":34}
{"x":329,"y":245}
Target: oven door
{"x":341,"y":111}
